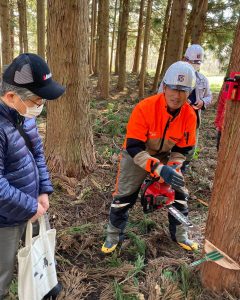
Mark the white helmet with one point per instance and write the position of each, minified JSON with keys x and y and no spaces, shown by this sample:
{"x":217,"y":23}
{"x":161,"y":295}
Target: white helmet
{"x":180,"y":76}
{"x":194,"y":53}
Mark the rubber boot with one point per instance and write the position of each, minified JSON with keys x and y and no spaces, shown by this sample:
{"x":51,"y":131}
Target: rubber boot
{"x":112,"y":239}
{"x":183,"y":240}
{"x":52,"y":295}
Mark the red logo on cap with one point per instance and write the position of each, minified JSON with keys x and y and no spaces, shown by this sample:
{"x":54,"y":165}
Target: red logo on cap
{"x":45,"y":77}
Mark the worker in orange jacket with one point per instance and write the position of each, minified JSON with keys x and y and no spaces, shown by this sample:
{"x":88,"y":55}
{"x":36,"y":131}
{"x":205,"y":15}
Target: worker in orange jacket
{"x":160,"y":133}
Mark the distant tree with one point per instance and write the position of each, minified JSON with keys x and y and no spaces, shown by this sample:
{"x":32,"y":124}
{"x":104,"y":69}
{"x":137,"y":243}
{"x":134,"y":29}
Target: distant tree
{"x":223,"y":226}
{"x":12,"y":27}
{"x":92,"y":51}
{"x":103,"y":76}
{"x":162,"y":45}
{"x":113,"y":33}
{"x":199,"y":22}
{"x":177,"y":26}
{"x":145,"y":49}
{"x":69,"y":139}
{"x":135,"y":69}
{"x":5,"y":32}
{"x":118,"y":37}
{"x":23,"y":37}
{"x":41,"y":28}
{"x":123,"y":45}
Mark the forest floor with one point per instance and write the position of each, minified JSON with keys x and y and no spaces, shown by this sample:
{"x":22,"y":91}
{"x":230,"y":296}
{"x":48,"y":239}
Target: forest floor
{"x":149,"y":265}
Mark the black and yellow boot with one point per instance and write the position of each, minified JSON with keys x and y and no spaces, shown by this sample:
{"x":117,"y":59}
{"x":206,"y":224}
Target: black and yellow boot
{"x":181,"y":237}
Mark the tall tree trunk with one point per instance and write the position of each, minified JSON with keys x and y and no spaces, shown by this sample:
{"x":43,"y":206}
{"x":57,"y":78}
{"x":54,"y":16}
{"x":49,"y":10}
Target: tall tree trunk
{"x":145,"y":49}
{"x":113,"y":34}
{"x":93,"y":37}
{"x":162,"y":45}
{"x":96,"y":66}
{"x":69,"y":139}
{"x":12,"y":17}
{"x":5,"y":32}
{"x":135,"y":69}
{"x":190,"y":24}
{"x":116,"y":71}
{"x":177,"y":27}
{"x":103,"y":48}
{"x":223,"y":226}
{"x":41,"y":27}
{"x":199,"y":22}
{"x":123,"y":45}
{"x":23,"y":39}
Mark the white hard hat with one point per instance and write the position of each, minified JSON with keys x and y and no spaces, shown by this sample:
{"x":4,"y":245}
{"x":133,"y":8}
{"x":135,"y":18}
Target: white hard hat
{"x":194,"y":53}
{"x":180,"y":76}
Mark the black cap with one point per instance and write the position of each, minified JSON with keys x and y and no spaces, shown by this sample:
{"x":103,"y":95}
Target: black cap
{"x":31,"y":72}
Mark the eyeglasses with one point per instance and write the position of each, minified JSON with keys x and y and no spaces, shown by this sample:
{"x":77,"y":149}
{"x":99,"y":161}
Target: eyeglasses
{"x":43,"y":102}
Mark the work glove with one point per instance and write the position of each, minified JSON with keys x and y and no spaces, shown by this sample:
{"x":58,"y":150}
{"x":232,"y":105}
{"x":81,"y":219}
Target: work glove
{"x":171,"y":176}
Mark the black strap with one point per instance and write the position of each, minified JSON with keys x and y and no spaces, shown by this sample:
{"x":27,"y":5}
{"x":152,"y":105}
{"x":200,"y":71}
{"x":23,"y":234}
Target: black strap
{"x":18,"y":124}
{"x":25,"y":136}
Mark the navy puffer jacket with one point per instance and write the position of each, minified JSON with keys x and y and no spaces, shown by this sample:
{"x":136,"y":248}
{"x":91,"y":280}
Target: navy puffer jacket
{"x":23,"y":175}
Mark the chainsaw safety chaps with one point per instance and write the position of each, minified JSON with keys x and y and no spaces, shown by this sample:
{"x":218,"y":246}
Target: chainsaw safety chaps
{"x":129,"y":180}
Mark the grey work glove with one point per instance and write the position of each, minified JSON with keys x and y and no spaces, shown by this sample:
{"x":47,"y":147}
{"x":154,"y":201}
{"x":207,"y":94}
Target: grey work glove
{"x":171,"y":176}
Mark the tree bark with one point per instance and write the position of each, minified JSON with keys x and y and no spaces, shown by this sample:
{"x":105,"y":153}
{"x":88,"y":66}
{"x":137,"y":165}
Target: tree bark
{"x":5,"y":32}
{"x":103,"y":49}
{"x":96,"y":66}
{"x":145,"y":49}
{"x":113,"y":34}
{"x":116,"y":71}
{"x":123,"y":45}
{"x":41,"y":27}
{"x":174,"y":46}
{"x":93,"y":37}
{"x":69,"y":139}
{"x":135,"y":69}
{"x":199,"y":22}
{"x":12,"y":33}
{"x":190,"y":24}
{"x":162,"y":46}
{"x":23,"y":38}
{"x":223,"y":227}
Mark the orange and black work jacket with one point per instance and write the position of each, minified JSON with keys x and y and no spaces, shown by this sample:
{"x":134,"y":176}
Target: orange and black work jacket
{"x":152,"y":130}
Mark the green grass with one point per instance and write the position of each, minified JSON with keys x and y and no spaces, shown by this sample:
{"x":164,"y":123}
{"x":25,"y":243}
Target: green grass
{"x":215,"y":83}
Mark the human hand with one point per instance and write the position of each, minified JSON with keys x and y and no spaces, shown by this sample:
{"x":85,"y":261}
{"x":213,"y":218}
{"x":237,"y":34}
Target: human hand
{"x":198,"y":105}
{"x":172,"y":177}
{"x":40,"y":212}
{"x":44,"y":201}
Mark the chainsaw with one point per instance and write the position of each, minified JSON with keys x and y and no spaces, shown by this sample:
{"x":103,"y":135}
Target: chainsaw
{"x":156,"y":195}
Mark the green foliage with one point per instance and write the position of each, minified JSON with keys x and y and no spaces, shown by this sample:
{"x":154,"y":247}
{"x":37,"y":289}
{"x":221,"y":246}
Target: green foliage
{"x":139,"y":246}
{"x":114,"y":261}
{"x":196,"y":153}
{"x":113,"y":121}
{"x":84,"y":228}
{"x":221,"y":23}
{"x":13,"y":289}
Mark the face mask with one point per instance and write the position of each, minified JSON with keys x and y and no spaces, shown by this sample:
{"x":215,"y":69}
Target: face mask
{"x":196,"y":67}
{"x":32,"y":112}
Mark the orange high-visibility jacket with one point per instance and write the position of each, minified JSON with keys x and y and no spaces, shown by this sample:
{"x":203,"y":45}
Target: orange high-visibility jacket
{"x":152,"y":130}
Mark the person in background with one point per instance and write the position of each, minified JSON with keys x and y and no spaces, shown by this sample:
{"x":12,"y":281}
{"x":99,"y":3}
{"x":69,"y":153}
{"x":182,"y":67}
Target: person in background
{"x":160,"y":133}
{"x":24,"y":179}
{"x":201,"y":96}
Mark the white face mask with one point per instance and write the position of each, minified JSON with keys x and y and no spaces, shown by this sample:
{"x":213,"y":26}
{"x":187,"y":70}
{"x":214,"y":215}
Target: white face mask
{"x":196,"y":67}
{"x":32,"y":112}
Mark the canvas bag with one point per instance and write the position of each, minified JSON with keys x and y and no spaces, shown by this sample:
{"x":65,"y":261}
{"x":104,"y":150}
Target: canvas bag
{"x":36,"y":265}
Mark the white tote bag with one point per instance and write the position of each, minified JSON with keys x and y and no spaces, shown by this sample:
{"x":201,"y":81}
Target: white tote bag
{"x":36,"y":265}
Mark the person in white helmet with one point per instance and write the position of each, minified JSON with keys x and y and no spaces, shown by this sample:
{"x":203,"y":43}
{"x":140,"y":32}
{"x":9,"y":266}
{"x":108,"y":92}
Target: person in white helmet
{"x":201,"y":95}
{"x":160,"y":133}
